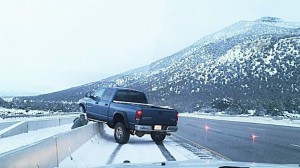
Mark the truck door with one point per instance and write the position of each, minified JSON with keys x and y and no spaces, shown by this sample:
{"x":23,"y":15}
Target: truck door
{"x":104,"y":104}
{"x":93,"y":104}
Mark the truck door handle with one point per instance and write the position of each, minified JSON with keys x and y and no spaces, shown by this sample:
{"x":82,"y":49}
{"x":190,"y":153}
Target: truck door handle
{"x":106,"y":104}
{"x":97,"y":102}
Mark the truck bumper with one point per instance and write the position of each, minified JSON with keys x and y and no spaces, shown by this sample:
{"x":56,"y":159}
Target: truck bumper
{"x":148,"y":128}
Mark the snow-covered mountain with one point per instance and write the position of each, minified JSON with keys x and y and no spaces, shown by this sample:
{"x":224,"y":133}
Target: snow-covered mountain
{"x":250,"y":65}
{"x":2,"y":102}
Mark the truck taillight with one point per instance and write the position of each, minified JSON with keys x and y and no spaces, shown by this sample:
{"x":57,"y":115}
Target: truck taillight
{"x":138,"y":115}
{"x":177,"y":115}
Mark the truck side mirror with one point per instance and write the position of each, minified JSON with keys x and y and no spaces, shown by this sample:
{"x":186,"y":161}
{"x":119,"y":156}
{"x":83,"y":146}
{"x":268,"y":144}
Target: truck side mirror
{"x":97,"y":98}
{"x":88,"y":94}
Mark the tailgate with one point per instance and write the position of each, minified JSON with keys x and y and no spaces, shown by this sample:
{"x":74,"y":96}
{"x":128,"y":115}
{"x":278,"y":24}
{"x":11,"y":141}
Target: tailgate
{"x":158,"y":116}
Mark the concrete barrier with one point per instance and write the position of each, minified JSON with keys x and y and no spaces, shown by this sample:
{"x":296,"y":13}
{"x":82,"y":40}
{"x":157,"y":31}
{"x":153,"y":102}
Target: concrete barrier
{"x":51,"y":151}
{"x":18,"y":128}
{"x":63,"y":121}
{"x":25,"y":126}
{"x":69,"y":142}
{"x":42,"y":154}
{"x":40,"y":124}
{"x":46,"y":123}
{"x":6,"y":124}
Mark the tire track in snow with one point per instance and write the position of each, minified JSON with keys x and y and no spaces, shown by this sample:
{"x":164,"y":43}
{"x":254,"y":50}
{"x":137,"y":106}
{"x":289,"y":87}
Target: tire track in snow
{"x":165,"y":152}
{"x":113,"y":155}
{"x":162,"y":148}
{"x":108,"y":137}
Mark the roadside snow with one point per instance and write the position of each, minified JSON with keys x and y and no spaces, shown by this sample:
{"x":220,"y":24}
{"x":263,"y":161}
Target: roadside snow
{"x":179,"y":152}
{"x":93,"y":153}
{"x":13,"y":142}
{"x":103,"y":150}
{"x":251,"y":119}
{"x":99,"y":151}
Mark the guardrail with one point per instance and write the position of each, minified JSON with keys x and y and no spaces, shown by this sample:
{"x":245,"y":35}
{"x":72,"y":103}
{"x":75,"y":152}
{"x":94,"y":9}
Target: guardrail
{"x":51,"y":151}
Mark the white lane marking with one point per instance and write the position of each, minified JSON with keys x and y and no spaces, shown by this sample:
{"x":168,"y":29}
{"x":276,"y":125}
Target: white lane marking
{"x":296,"y":145}
{"x":209,"y":128}
{"x":256,"y":128}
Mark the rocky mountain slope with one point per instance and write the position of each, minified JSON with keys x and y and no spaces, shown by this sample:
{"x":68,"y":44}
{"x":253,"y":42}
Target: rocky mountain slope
{"x":250,"y":65}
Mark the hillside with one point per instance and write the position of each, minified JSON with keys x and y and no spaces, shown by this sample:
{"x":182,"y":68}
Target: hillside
{"x":3,"y":103}
{"x":250,"y":65}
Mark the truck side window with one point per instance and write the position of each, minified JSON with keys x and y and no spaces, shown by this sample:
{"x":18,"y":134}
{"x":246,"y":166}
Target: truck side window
{"x":99,"y":93}
{"x":107,"y":94}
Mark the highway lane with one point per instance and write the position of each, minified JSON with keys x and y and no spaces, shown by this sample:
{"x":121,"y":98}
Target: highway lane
{"x":235,"y":140}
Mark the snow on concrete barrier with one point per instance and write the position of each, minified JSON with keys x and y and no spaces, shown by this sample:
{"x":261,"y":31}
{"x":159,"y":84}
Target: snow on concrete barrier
{"x":41,"y":154}
{"x":25,"y":126}
{"x":6,"y":124}
{"x":51,"y":151}
{"x":18,"y":128}
{"x":63,"y":121}
{"x":46,"y":123}
{"x":71,"y":141}
{"x":40,"y":124}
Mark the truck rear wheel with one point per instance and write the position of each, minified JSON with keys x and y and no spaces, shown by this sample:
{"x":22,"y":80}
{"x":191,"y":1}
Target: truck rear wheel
{"x":121,"y":133}
{"x":158,"y":136}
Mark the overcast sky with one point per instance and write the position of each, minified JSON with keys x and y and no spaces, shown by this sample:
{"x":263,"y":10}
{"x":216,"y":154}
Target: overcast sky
{"x":51,"y":45}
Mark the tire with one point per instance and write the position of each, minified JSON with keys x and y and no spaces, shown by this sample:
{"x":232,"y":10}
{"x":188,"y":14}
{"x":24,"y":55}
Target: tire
{"x":158,"y":137}
{"x":82,"y":109}
{"x":121,"y":133}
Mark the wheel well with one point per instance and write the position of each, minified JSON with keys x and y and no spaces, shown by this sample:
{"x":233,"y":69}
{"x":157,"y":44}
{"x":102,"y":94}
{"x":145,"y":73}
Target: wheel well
{"x":118,"y":118}
{"x":82,"y":105}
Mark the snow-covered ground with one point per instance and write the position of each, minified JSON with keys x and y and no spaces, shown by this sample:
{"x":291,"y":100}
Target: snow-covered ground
{"x":282,"y":121}
{"x":20,"y":140}
{"x":103,"y":150}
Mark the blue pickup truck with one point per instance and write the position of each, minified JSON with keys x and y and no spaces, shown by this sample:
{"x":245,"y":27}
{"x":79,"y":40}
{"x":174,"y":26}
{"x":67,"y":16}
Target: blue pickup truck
{"x":128,"y":112}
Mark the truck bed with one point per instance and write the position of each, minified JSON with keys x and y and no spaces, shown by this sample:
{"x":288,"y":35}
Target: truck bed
{"x":154,"y":115}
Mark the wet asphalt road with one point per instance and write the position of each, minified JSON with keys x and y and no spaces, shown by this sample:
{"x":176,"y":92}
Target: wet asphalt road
{"x":235,"y":140}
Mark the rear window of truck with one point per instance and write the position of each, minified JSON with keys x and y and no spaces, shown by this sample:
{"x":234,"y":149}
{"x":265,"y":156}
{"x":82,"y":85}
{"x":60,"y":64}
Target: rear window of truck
{"x":130,"y":96}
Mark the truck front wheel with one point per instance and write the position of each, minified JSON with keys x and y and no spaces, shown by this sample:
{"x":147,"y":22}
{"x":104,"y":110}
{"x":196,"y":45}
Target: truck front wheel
{"x":158,"y":136}
{"x":82,"y":109}
{"x":121,"y":133}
